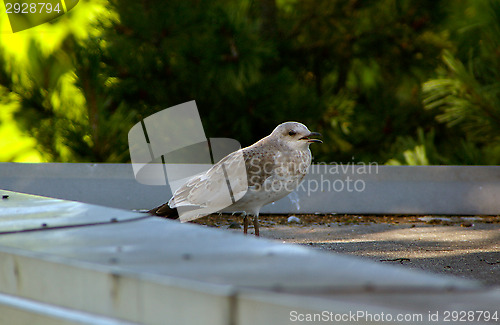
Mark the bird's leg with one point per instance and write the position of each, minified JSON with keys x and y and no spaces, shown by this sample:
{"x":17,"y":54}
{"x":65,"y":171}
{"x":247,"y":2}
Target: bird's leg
{"x":256,"y":225}
{"x":245,"y":224}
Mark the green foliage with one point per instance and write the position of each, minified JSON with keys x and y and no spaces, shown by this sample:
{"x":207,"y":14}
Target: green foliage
{"x":419,"y":151}
{"x":352,"y":70}
{"x":48,"y":89}
{"x":365,"y":61}
{"x":467,"y":91}
{"x":464,"y":101}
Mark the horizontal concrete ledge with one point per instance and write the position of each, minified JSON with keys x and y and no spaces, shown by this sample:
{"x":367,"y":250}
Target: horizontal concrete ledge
{"x":363,"y":189}
{"x":157,"y":271}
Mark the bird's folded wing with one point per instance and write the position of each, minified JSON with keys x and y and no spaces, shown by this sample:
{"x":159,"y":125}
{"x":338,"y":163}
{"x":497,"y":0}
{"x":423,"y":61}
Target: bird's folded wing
{"x":219,"y":187}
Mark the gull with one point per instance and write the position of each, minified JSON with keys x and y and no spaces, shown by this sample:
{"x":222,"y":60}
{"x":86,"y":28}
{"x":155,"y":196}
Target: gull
{"x":275,"y":166}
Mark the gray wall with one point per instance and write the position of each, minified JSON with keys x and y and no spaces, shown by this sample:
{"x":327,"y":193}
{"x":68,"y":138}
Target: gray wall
{"x":465,"y":190}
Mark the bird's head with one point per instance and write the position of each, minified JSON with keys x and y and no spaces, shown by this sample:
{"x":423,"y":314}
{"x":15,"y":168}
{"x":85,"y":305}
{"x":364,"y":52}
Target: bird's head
{"x":294,"y":134}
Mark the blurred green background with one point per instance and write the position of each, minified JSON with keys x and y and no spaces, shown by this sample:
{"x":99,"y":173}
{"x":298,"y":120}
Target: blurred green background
{"x":387,"y":81}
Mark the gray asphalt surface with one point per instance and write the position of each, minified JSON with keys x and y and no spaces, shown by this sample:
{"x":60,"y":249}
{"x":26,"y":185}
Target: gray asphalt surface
{"x":471,"y":251}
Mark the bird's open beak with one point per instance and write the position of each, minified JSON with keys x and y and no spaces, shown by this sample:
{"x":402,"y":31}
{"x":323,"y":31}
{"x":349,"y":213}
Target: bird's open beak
{"x":312,"y":134}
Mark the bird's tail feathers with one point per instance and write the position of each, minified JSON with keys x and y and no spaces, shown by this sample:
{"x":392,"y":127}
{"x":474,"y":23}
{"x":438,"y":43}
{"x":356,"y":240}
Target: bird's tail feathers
{"x":165,"y":211}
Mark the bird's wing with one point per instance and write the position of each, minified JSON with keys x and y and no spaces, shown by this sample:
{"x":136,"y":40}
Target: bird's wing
{"x":260,"y":166}
{"x":209,"y":192}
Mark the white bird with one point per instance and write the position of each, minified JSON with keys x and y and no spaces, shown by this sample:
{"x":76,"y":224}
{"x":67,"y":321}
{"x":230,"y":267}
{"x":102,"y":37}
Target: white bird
{"x":275,"y":166}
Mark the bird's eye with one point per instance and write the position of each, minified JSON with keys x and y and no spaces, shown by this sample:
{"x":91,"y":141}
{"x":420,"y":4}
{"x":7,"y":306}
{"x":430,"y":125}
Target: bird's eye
{"x":291,"y":133}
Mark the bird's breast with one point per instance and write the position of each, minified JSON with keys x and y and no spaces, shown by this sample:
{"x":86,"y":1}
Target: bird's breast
{"x":295,"y":163}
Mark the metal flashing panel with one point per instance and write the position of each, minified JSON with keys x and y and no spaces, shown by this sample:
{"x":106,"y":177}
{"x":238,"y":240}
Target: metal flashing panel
{"x":23,"y":212}
{"x":153,"y":271}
